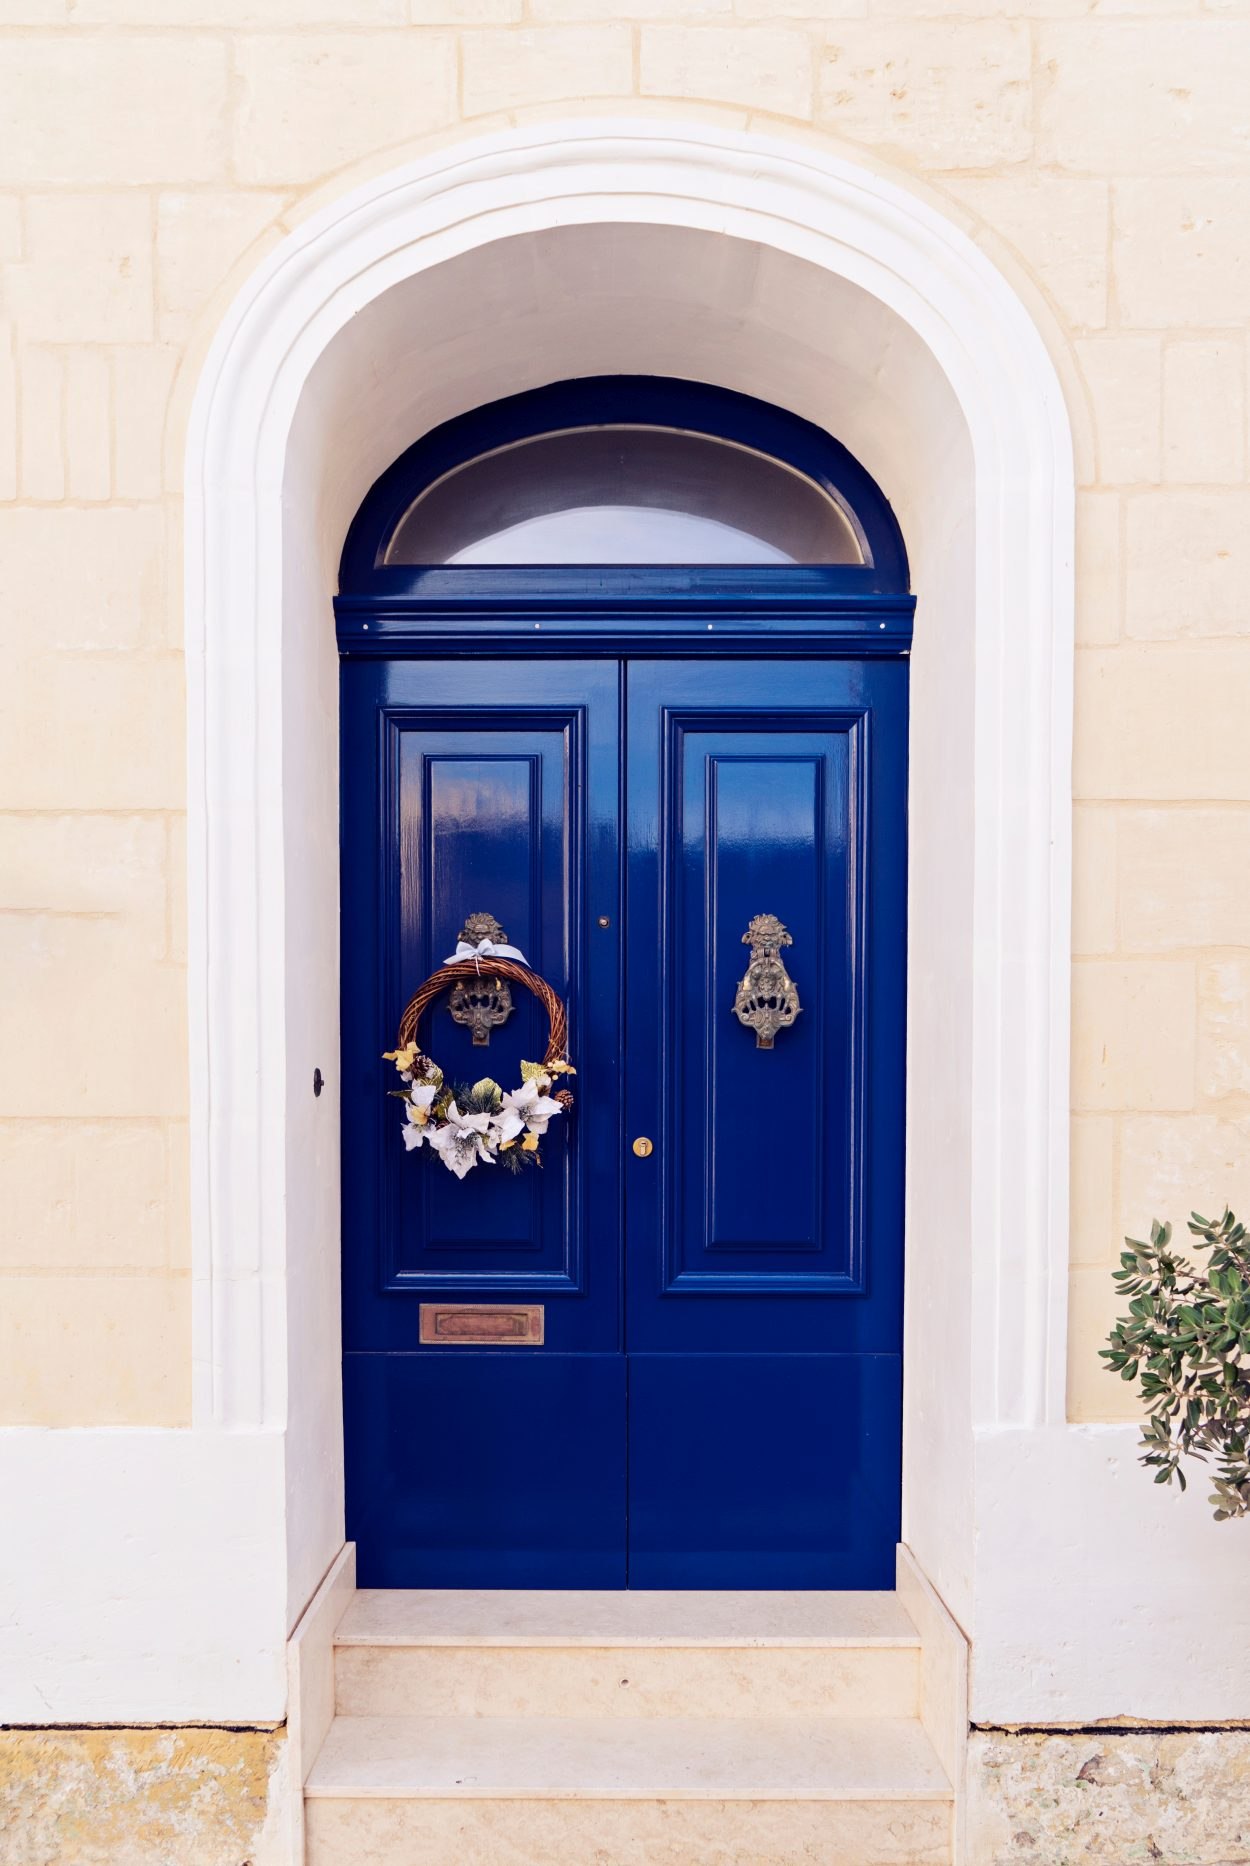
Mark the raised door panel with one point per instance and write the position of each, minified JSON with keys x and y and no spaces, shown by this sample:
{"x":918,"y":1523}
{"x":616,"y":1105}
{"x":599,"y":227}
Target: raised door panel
{"x":765,"y":818}
{"x":485,"y":818}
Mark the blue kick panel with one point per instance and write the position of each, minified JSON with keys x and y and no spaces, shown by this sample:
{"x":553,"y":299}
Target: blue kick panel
{"x":763,"y":1470}
{"x":492,"y":1469}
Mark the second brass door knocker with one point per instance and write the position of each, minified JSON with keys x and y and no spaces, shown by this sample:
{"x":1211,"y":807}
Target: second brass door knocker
{"x":767,"y":1000}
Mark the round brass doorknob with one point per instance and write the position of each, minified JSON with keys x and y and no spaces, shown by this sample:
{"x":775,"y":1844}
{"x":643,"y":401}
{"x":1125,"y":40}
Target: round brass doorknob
{"x":642,"y":1147}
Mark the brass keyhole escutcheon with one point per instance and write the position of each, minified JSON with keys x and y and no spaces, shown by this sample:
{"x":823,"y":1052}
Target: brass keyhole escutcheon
{"x":642,"y":1147}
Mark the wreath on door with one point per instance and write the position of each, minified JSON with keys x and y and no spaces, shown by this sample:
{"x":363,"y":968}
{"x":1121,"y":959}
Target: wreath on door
{"x":481,"y":1124}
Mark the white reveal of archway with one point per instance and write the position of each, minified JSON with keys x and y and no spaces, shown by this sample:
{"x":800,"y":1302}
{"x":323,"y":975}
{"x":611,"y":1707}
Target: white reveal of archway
{"x":693,"y":251}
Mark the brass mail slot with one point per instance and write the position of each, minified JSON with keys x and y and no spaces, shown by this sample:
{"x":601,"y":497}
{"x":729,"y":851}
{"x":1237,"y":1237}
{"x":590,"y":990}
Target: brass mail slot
{"x":479,"y":1324}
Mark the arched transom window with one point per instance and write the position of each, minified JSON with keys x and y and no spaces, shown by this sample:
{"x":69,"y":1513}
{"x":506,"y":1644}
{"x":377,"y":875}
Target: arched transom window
{"x":626,"y":471}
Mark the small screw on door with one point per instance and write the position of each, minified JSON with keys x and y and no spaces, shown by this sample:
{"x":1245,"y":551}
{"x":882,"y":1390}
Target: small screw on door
{"x":604,"y":920}
{"x":642,"y":1147}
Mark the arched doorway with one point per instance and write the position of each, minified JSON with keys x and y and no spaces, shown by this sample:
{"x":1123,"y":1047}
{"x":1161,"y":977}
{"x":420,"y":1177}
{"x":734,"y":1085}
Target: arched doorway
{"x":769,"y":269}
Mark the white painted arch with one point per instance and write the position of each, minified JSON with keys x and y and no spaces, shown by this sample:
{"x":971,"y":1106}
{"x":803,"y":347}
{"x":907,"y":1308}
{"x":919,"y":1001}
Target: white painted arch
{"x":553,"y":251}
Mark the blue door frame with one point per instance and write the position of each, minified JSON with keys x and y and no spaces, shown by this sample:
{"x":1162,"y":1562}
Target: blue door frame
{"x":625,"y":766}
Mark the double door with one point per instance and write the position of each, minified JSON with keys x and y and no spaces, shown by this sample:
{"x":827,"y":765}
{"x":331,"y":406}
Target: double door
{"x":701,"y":1383}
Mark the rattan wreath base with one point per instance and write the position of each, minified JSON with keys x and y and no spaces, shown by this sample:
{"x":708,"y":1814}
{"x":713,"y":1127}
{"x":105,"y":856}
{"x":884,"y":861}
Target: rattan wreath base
{"x":462,"y":970}
{"x":484,"y":1123}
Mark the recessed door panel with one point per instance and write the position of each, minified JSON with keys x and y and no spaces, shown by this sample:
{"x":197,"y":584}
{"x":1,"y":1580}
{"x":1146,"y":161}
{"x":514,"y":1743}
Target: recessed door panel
{"x":486,"y":820}
{"x":759,"y":1191}
{"x":761,"y":838}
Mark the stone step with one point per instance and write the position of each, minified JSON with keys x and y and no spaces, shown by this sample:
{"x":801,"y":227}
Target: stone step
{"x":418,"y":1791}
{"x":627,"y":1833}
{"x":590,"y":1681}
{"x":626,"y":1655}
{"x":614,"y":1616}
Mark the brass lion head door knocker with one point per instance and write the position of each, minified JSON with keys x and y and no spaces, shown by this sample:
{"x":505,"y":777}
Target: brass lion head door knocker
{"x":767,"y":1000}
{"x":484,"y":1002}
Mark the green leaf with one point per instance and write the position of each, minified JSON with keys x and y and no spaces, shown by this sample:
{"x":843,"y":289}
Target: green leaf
{"x":1186,"y":1340}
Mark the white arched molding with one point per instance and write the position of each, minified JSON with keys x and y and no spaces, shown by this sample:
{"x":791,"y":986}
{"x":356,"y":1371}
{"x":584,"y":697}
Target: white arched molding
{"x":851,"y":223}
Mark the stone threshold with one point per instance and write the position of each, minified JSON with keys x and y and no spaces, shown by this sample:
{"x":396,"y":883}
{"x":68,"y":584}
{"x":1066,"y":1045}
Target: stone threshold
{"x":516,"y":1617}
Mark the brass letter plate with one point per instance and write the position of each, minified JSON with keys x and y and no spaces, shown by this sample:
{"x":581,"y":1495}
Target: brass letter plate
{"x":482,"y":1324}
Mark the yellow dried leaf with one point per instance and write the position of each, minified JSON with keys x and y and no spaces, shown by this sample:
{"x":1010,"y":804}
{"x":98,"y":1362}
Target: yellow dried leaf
{"x":402,"y":1059}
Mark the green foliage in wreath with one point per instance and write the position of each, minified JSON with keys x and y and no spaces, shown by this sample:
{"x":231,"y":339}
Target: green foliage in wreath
{"x":1187,"y":1338}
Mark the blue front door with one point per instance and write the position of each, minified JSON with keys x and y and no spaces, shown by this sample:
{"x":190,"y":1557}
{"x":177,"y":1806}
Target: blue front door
{"x":715,"y":1401}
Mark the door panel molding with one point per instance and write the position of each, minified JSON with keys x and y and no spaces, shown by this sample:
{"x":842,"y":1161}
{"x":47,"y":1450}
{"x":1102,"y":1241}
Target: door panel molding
{"x":416,"y":1203}
{"x":723,"y":1035}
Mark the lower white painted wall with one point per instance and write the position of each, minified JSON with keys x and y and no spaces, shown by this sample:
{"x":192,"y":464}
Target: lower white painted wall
{"x":1099,"y":1593}
{"x":143,"y":1579}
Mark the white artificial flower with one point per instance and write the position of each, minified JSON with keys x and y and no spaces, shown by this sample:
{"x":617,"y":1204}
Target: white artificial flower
{"x":527,"y":1107}
{"x":461,"y":1142}
{"x":508,"y":1125}
{"x":417,"y":1110}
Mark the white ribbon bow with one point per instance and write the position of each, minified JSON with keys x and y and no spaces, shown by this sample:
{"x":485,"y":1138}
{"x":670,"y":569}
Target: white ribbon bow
{"x":485,"y":949}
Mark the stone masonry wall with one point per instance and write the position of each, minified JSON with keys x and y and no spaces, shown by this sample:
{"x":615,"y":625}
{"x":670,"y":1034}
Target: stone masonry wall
{"x":1115,"y":1797}
{"x":191,"y":1797}
{"x":154,"y":148}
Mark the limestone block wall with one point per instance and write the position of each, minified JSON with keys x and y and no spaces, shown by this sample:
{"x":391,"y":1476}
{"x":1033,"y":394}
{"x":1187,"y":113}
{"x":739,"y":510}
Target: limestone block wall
{"x":1100,"y":149}
{"x":1040,"y":1799}
{"x":148,"y":1797}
